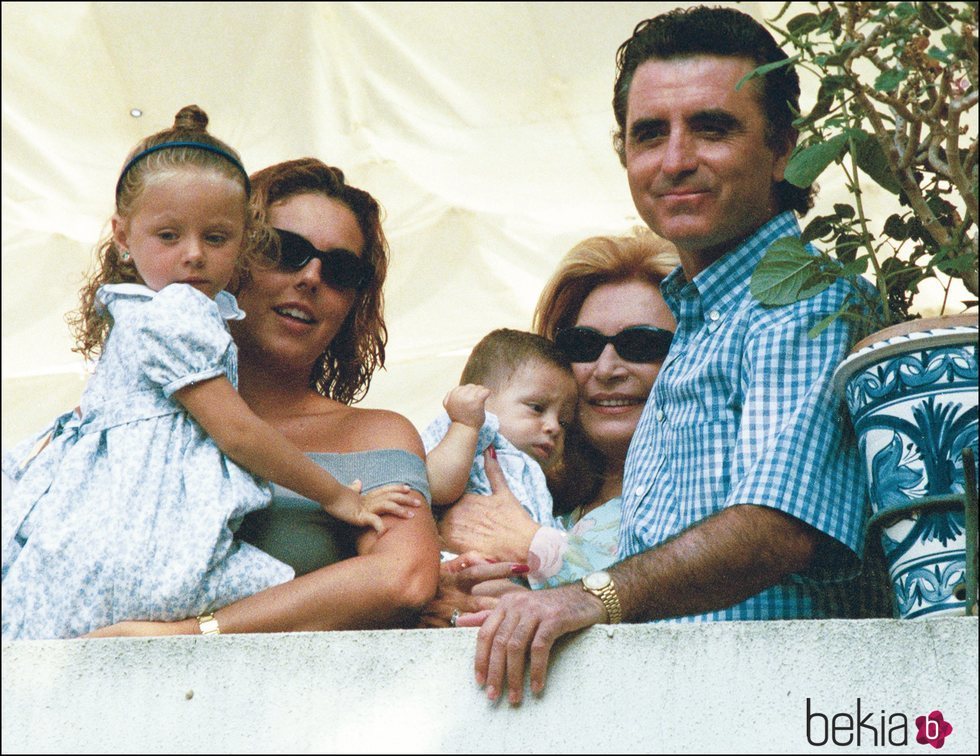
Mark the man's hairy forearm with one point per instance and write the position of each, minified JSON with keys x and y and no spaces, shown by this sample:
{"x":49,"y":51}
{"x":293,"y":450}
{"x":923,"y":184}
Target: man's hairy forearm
{"x":719,"y":562}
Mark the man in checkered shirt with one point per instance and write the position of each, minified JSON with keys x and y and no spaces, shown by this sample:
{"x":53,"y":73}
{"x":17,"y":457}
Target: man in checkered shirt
{"x":743,"y":496}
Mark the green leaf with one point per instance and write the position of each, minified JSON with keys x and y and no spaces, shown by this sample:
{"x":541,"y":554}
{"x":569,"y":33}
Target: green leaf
{"x":844,"y":211}
{"x":889,"y":80}
{"x":938,"y":54}
{"x":783,"y":272}
{"x":841,"y":54}
{"x":812,"y":288}
{"x":763,"y":70}
{"x":940,"y":207}
{"x":896,"y":228}
{"x":822,"y":325}
{"x":895,"y":269}
{"x":831,"y":22}
{"x":856,"y":267}
{"x":803,"y":24}
{"x":782,"y":10}
{"x":958,"y":265}
{"x":883,"y":13}
{"x":846,"y":247}
{"x":929,"y":16}
{"x":902,"y":10}
{"x":820,"y":109}
{"x":917,"y":230}
{"x":829,"y":87}
{"x":954,"y":43}
{"x":807,"y":164}
{"x":871,"y":159}
{"x":819,"y":226}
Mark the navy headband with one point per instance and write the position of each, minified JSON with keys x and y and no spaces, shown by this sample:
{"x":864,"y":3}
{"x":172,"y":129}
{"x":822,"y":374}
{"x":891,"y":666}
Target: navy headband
{"x":193,"y":145}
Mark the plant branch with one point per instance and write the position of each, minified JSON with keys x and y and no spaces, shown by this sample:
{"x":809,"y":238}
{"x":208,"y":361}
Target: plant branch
{"x":908,"y":152}
{"x":970,"y":277}
{"x":900,"y":80}
{"x":911,"y":188}
{"x":935,"y":161}
{"x":956,"y":172}
{"x":970,"y":162}
{"x":855,"y":187}
{"x":971,"y":53}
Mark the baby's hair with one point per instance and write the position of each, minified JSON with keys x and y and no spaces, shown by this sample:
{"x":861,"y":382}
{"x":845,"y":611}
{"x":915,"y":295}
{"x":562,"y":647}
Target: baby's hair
{"x":502,"y":352}
{"x":185,"y":144}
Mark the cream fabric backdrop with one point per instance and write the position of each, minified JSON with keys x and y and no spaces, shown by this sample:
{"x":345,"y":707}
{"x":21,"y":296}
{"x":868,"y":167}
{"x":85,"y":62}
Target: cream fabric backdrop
{"x":482,"y":128}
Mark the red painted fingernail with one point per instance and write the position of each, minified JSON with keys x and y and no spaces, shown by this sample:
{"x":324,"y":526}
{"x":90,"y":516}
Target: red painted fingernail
{"x":520,"y":569}
{"x":493,"y":452}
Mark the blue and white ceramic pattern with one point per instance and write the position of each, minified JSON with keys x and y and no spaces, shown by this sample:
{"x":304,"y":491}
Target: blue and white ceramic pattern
{"x":913,"y":401}
{"x":926,"y":554}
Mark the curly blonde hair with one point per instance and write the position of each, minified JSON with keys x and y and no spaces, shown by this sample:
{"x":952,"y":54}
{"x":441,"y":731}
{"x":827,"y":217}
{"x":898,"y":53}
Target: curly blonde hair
{"x":343,"y":372}
{"x":91,"y":323}
{"x":598,"y":260}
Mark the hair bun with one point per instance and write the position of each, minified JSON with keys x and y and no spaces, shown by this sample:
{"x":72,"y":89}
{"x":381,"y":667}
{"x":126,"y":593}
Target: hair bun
{"x":191,"y":118}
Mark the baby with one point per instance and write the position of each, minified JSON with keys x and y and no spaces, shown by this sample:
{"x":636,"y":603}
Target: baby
{"x":517,"y":395}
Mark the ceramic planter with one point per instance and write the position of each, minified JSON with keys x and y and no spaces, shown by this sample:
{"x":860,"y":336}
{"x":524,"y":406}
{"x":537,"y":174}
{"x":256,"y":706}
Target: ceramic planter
{"x":912,"y":394}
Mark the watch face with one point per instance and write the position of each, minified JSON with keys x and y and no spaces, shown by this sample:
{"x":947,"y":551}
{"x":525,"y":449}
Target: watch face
{"x":596,"y":581}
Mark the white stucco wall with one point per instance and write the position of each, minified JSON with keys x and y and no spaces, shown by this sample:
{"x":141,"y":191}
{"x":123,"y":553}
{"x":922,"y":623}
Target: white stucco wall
{"x":726,"y":687}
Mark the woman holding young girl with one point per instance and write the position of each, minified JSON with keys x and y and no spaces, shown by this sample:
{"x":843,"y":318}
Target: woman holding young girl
{"x":307,"y":349}
{"x":311,"y":336}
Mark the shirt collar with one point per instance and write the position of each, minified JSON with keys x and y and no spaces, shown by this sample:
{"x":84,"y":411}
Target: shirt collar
{"x":726,"y":280}
{"x":225,"y":301}
{"x":228,"y":306}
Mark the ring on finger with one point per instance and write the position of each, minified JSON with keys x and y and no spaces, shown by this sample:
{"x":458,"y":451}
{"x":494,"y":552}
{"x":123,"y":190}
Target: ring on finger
{"x":453,"y":617}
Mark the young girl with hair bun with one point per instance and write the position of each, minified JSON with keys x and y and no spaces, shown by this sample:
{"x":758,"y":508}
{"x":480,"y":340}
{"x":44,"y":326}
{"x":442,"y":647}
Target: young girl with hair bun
{"x":125,"y":509}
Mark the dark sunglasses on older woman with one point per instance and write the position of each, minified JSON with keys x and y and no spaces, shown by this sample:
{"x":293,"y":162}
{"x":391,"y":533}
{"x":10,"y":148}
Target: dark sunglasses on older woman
{"x":339,"y":268}
{"x":639,"y":343}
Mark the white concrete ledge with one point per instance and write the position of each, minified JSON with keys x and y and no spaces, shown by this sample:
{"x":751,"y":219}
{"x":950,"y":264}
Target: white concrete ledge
{"x":725,"y":687}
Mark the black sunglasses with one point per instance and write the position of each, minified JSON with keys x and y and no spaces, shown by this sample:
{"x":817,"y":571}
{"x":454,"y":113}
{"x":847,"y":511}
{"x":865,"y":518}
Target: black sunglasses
{"x":338,"y":267}
{"x":639,"y":343}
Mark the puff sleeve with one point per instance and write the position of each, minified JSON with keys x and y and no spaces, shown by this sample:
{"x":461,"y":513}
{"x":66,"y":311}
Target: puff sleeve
{"x":180,"y":337}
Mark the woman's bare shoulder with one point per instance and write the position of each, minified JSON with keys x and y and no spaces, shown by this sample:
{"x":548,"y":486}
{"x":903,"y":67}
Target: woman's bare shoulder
{"x":364,"y":429}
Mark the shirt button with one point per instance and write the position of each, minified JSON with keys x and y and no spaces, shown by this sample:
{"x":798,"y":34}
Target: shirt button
{"x":638,"y":491}
{"x":661,"y":415}
{"x":714,"y":315}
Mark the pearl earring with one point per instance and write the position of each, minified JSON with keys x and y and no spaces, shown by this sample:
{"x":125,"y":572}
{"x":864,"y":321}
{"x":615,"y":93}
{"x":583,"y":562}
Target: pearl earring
{"x":124,"y":255}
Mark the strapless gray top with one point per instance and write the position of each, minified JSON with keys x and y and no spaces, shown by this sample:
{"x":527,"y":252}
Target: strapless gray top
{"x":297,"y":531}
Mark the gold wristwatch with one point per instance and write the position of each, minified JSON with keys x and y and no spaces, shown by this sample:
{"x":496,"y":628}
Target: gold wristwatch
{"x":208,"y":624}
{"x":600,"y":584}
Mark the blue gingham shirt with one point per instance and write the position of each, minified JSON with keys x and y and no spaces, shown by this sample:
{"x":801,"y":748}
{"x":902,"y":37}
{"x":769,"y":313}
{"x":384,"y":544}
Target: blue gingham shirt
{"x":743,"y":412}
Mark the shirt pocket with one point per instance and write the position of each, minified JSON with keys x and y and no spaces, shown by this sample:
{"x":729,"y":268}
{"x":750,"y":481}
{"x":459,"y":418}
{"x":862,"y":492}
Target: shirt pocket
{"x":701,"y":462}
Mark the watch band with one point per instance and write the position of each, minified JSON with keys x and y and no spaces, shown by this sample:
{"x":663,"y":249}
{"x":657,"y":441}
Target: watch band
{"x":609,"y":598}
{"x":208,"y":624}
